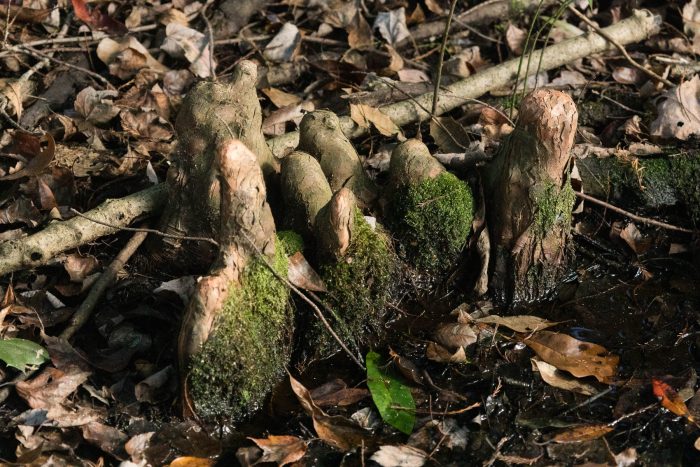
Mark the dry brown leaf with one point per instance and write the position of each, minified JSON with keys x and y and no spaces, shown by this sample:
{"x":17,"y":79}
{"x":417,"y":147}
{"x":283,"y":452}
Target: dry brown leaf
{"x":40,"y":160}
{"x":392,"y":25}
{"x":403,"y":455}
{"x":628,"y":75}
{"x":275,"y":123}
{"x":189,"y":461}
{"x":192,"y":45}
{"x":449,"y":135}
{"x":281,"y":98}
{"x":303,"y":275}
{"x":107,"y":438}
{"x":670,"y":399}
{"x":520,"y":323}
{"x":79,"y":267}
{"x":126,"y":57}
{"x":97,"y":107}
{"x":634,"y":238}
{"x":284,"y":45}
{"x":455,"y":335}
{"x":16,"y":91}
{"x":515,"y":38}
{"x":363,"y":115}
{"x":679,"y":114}
{"x":438,"y":353}
{"x":561,"y":380}
{"x":282,"y":450}
{"x":582,"y":433}
{"x":579,"y":358}
{"x":337,"y":431}
{"x":359,"y":32}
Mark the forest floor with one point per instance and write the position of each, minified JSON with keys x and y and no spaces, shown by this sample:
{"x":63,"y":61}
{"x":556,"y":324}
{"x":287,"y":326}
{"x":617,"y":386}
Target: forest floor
{"x":89,"y":94}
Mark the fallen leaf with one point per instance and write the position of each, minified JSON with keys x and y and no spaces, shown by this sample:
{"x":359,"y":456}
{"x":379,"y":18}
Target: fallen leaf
{"x":363,"y":115}
{"x":515,"y":38}
{"x":634,"y":239}
{"x":403,"y":455}
{"x":454,"y":335}
{"x":628,"y":75}
{"x":573,"y":79}
{"x":520,"y":323}
{"x":408,"y":75}
{"x":392,"y":398}
{"x":22,"y":353}
{"x":561,"y":380}
{"x":275,"y":123}
{"x":679,"y":114}
{"x":107,"y":438}
{"x":126,"y":57}
{"x":392,"y":25}
{"x":189,"y":461}
{"x":282,"y":450}
{"x":579,"y":358}
{"x":24,"y":14}
{"x":148,"y":390}
{"x":582,"y":433}
{"x":302,"y":274}
{"x":192,"y":45}
{"x":438,"y":353}
{"x":21,"y":210}
{"x":670,"y":400}
{"x":40,"y":160}
{"x":281,"y":98}
{"x":337,"y":431}
{"x":79,"y":267}
{"x":16,"y":92}
{"x":283,"y":46}
{"x":97,"y":20}
{"x":449,"y":135}
{"x":336,"y":393}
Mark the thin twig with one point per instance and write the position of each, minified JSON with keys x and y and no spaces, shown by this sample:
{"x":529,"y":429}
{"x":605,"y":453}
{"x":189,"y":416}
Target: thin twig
{"x":619,"y":47}
{"x":86,"y":308}
{"x":438,"y":78}
{"x":153,"y":231}
{"x":634,"y":217}
{"x":92,"y":74}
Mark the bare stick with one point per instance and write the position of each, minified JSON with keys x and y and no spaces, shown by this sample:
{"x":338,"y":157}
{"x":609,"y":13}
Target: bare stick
{"x":620,"y":47}
{"x":637,"y":27}
{"x":106,"y":279}
{"x":57,"y":237}
{"x":443,"y":46}
{"x":634,"y":217}
{"x":153,"y":231}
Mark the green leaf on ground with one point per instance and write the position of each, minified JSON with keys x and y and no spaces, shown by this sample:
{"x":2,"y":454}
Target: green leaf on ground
{"x":392,"y":397}
{"x":20,"y":353}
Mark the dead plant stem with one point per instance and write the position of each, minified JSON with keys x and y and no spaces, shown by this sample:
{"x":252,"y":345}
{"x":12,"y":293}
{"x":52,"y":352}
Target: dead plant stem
{"x":441,"y":58}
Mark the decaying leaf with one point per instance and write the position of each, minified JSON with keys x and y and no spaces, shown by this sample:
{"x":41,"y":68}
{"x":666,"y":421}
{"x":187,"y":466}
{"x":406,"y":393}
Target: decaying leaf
{"x":403,"y":455}
{"x":97,"y":20}
{"x":16,"y":91}
{"x":337,"y":431}
{"x":40,"y":158}
{"x":79,"y":267}
{"x":363,"y":115}
{"x":97,"y":107}
{"x":520,"y":323}
{"x":192,"y":45}
{"x":561,"y":380}
{"x":392,"y":25}
{"x":336,"y":393}
{"x":449,"y":135}
{"x":454,"y":335}
{"x":670,"y":399}
{"x":582,"y":433}
{"x":438,"y":353}
{"x":283,"y":46}
{"x":126,"y":57}
{"x":515,"y":38}
{"x":281,"y":98}
{"x":303,"y":275}
{"x":579,"y":358}
{"x":107,"y":438}
{"x":282,"y":450}
{"x":679,"y":113}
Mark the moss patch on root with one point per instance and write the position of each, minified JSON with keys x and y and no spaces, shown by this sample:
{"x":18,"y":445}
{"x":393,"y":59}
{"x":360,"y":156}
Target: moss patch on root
{"x":359,"y":286}
{"x":431,"y":221}
{"x":292,"y":241}
{"x":554,"y":207}
{"x":246,"y":355}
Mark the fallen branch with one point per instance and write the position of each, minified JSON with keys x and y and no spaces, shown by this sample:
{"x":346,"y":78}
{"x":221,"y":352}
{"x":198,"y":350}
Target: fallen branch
{"x":39,"y":248}
{"x":637,"y":27}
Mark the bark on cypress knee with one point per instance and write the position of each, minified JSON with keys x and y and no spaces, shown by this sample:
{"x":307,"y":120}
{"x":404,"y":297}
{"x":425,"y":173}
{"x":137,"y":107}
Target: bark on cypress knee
{"x":212,"y":112}
{"x":321,"y":136}
{"x":529,"y":199}
{"x":234,"y":341}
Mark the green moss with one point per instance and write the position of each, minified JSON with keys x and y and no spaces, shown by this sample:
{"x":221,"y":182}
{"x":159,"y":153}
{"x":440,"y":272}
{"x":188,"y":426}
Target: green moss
{"x":358,"y":287}
{"x":292,"y":241}
{"x":246,"y":354}
{"x":431,"y":221}
{"x":685,"y":173}
{"x":554,"y":207}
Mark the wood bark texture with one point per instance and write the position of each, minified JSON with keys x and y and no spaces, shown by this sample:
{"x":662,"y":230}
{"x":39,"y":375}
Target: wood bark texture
{"x":529,"y":199}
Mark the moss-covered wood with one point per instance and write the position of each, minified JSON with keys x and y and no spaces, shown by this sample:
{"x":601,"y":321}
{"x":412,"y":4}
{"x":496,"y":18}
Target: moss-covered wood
{"x":529,"y":199}
{"x":428,"y":209}
{"x":648,"y":182}
{"x":235,"y":337}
